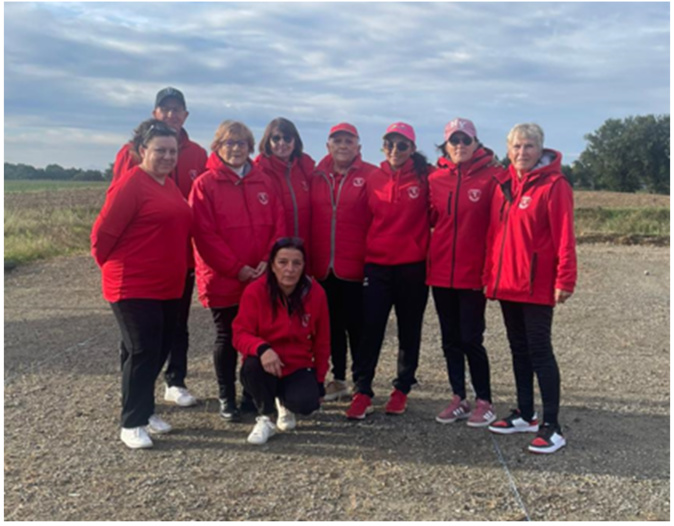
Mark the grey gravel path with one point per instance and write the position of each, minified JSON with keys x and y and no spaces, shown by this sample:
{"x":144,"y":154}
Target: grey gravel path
{"x":64,"y":461}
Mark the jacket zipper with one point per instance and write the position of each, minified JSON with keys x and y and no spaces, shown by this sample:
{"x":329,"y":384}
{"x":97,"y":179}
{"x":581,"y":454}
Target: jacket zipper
{"x":333,"y":229}
{"x":292,"y":196}
{"x":532,"y":273}
{"x":456,"y":225}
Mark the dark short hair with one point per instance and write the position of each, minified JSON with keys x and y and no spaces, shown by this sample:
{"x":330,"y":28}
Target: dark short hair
{"x":286,"y":128}
{"x":295,"y":302}
{"x":148,"y":130}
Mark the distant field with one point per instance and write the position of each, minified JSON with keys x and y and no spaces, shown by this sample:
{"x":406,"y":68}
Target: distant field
{"x":44,"y":219}
{"x":39,"y":186}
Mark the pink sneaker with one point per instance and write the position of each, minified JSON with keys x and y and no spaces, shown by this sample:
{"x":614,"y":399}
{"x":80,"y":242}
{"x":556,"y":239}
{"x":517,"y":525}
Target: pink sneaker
{"x":457,"y":410}
{"x":483,"y":415}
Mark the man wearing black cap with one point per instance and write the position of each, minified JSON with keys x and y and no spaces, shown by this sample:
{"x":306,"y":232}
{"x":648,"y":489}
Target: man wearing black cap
{"x":170,"y":108}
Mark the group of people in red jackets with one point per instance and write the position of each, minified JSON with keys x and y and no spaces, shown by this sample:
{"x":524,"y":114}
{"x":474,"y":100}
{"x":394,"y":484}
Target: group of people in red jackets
{"x":300,"y":262}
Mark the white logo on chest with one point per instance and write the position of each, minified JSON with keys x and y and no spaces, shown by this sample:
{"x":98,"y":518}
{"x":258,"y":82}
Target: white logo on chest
{"x":305,"y":320}
{"x":263,"y":197}
{"x":358,"y":182}
{"x":525,"y":202}
{"x":474,"y":194}
{"x":413,"y":192}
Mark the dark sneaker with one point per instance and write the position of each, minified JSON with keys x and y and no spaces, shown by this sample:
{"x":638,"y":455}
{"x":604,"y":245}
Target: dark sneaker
{"x":456,"y":410}
{"x":515,"y":424}
{"x":361,"y":405}
{"x":228,"y":410}
{"x":397,"y":403}
{"x":548,"y":440}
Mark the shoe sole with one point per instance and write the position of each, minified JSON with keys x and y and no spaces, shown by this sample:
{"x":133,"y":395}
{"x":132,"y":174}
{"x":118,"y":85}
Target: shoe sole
{"x":260,"y":443}
{"x":181,"y":404}
{"x":512,"y":430}
{"x":139,"y":446}
{"x":397,"y":412}
{"x":284,"y":428}
{"x":548,"y":450}
{"x":231,"y":418}
{"x":336,"y":396}
{"x":451,"y":421}
{"x":368,"y":411}
{"x":480,"y":424}
{"x":155,"y":431}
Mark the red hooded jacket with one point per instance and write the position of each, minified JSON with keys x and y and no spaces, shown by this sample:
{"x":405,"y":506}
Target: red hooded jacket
{"x":460,"y":199}
{"x":140,"y":239}
{"x":236,"y":223}
{"x":191,"y":164}
{"x":292,"y":184}
{"x":340,"y":218}
{"x":399,"y":231}
{"x":300,"y":343}
{"x":532,"y":246}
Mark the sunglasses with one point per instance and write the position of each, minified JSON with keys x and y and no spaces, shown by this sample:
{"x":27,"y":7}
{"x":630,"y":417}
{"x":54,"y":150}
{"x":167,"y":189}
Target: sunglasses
{"x":400,"y":145}
{"x":455,"y":141}
{"x":286,"y":139}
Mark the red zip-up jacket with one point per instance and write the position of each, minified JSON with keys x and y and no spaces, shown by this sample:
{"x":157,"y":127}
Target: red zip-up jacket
{"x":400,"y":230}
{"x":532,"y":246}
{"x":236,"y":223}
{"x":299,"y":342}
{"x":292,"y":184}
{"x":340,"y":218}
{"x":460,"y":200}
{"x":140,"y":239}
{"x":191,"y":164}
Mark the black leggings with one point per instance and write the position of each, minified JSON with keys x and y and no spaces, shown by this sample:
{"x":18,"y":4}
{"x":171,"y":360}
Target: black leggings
{"x":345,"y":302}
{"x":529,"y":329}
{"x":404,"y":288}
{"x":461,"y":315}
{"x":224,"y":353}
{"x":298,"y":392}
{"x":148,"y":328}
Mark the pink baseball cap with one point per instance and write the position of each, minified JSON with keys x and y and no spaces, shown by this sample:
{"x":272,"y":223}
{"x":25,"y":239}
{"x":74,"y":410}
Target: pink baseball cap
{"x":460,"y":125}
{"x":343,"y":127}
{"x":403,"y":129}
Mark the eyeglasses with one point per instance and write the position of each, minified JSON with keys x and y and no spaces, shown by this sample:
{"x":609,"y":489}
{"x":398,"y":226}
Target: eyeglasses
{"x":286,"y":139}
{"x":169,"y":109}
{"x":455,"y":140}
{"x":402,"y":146}
{"x":229,"y":143}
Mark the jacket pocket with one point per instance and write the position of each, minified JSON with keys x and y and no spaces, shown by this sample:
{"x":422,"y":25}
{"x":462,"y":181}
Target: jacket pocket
{"x":532,"y":273}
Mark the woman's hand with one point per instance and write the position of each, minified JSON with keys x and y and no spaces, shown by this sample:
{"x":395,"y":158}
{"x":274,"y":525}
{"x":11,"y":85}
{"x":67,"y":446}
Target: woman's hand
{"x":260,"y":269}
{"x":561,"y":296}
{"x":246,"y":274}
{"x":271,"y":362}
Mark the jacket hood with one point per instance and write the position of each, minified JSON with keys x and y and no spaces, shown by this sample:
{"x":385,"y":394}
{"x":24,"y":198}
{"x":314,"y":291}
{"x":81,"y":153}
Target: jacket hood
{"x":481,"y":157}
{"x":223,"y":171}
{"x":272,"y":164}
{"x":549,"y":163}
{"x":327,"y":163}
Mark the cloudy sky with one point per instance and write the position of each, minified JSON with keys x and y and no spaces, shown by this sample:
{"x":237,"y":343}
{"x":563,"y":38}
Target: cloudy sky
{"x":80,"y":76}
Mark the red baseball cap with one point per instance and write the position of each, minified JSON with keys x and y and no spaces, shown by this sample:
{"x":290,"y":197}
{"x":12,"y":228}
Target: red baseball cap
{"x":343,"y":127}
{"x":460,"y":125}
{"x":403,"y":129}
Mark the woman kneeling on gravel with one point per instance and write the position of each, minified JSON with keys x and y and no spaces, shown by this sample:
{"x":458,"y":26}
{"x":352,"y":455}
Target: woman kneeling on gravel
{"x":283,"y":332}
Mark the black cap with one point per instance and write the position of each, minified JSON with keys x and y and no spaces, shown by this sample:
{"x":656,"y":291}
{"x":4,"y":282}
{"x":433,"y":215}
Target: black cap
{"x":170,"y":92}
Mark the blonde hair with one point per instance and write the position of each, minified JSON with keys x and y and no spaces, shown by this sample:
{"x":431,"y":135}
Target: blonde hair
{"x":528,"y":130}
{"x":229,"y":129}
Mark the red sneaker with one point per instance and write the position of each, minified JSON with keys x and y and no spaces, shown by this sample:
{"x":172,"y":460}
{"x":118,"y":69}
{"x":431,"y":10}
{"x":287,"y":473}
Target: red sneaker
{"x":361,"y":405}
{"x":397,"y":403}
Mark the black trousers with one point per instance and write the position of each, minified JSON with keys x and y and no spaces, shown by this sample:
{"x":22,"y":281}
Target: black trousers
{"x":529,"y":329}
{"x":224,"y":353}
{"x":404,"y":288}
{"x":148,"y":329}
{"x":298,"y":392}
{"x":345,"y":302}
{"x":176,"y":370}
{"x":461,"y":315}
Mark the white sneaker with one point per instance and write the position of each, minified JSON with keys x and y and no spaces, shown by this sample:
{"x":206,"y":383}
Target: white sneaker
{"x":157,"y":426}
{"x":286,"y":419}
{"x":135,"y":437}
{"x":180,"y":396}
{"x":263,"y":430}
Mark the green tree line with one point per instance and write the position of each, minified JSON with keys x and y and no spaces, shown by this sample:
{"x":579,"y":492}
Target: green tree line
{"x":54,"y":172}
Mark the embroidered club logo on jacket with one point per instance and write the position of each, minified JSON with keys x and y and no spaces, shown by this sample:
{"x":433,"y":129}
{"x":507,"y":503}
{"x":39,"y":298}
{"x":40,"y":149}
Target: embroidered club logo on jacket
{"x":474,"y":194}
{"x":263,"y":198}
{"x":414,"y":192}
{"x":525,"y":202}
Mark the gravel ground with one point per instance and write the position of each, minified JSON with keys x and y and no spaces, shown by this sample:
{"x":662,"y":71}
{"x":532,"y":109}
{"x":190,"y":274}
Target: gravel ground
{"x":64,"y":461}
